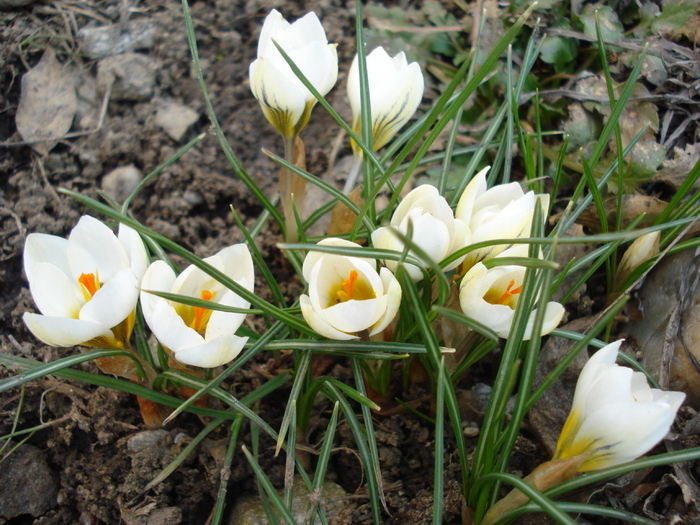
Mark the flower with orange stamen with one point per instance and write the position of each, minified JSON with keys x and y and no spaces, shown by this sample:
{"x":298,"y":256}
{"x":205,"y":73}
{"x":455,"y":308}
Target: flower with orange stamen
{"x":347,"y":295}
{"x":86,"y":286}
{"x":197,"y":335}
{"x":490,"y":297}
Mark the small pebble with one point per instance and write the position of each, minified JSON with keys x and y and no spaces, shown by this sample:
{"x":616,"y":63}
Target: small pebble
{"x":175,"y":119}
{"x":470,"y":429}
{"x":119,"y":183}
{"x":132,"y":76}
{"x":146,"y":439}
{"x":114,"y":39}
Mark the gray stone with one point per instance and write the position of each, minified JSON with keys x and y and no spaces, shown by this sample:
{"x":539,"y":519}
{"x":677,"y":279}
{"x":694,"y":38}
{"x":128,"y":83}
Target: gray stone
{"x":115,"y":39}
{"x":28,"y":484}
{"x":132,"y":76}
{"x":148,"y":439}
{"x":119,"y":183}
{"x":175,"y":118}
{"x":249,"y":511}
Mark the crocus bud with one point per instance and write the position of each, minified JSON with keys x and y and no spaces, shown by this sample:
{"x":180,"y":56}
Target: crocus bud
{"x":284,"y":99}
{"x":347,"y":295}
{"x":501,"y":212}
{"x":490,"y":297}
{"x":195,"y":335}
{"x":433,"y":225}
{"x":395,"y":90}
{"x":640,"y":251}
{"x":86,"y":286}
{"x":615,"y":417}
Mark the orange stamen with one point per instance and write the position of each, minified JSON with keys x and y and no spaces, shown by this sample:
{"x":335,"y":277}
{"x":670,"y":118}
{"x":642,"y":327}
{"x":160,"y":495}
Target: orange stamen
{"x":349,"y":284}
{"x":90,"y":283}
{"x":510,"y":292}
{"x":200,"y":312}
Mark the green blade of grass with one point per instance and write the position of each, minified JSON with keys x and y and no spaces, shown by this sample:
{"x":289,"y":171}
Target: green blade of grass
{"x":300,"y":379}
{"x":220,"y":506}
{"x":269,"y":489}
{"x":44,"y":369}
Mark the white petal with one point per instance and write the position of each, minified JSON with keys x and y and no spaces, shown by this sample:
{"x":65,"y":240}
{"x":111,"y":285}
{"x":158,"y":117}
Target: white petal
{"x":159,"y":277}
{"x":274,"y":24}
{"x":113,"y":302}
{"x":461,"y":239}
{"x":40,"y":247}
{"x":54,"y":292}
{"x":354,"y":316}
{"x":313,"y":257}
{"x":61,"y":331}
{"x":238,"y":265}
{"x":93,"y":246}
{"x":415,"y":198}
{"x":170,"y":329}
{"x":135,"y":250}
{"x":393,"y":296}
{"x":591,"y":371}
{"x":623,"y":431}
{"x":193,"y":281}
{"x":318,"y":62}
{"x":281,"y":99}
{"x":554,"y":312}
{"x":226,"y":323}
{"x":319,"y":325}
{"x":476,"y":187}
{"x":213,"y":353}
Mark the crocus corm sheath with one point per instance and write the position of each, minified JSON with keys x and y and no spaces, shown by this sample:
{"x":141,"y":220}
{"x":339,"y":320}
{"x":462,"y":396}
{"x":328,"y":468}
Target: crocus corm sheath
{"x":395,"y":90}
{"x":615,"y":416}
{"x":86,"y":286}
{"x":198,"y":336}
{"x":434,"y":229}
{"x":284,"y":99}
{"x":346,"y":294}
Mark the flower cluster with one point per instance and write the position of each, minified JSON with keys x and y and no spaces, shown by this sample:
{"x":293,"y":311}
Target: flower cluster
{"x":87,"y":286}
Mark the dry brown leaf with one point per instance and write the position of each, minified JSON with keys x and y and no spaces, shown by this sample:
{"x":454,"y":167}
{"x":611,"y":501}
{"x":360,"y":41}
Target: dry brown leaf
{"x":632,"y":207}
{"x":47,"y":104}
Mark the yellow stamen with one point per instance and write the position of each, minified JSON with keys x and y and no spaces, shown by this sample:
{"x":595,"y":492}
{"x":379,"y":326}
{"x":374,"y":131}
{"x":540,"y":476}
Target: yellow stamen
{"x":202,"y":315}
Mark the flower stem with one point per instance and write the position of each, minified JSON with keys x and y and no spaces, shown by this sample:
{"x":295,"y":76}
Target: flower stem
{"x":292,"y":187}
{"x":352,"y":176}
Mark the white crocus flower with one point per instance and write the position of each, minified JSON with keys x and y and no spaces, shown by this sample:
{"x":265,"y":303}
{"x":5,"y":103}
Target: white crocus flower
{"x":86,"y":286}
{"x":347,"y":295}
{"x":395,"y":90}
{"x":198,"y":336}
{"x":434,"y":228}
{"x":615,"y":417}
{"x":490,"y":297}
{"x":284,"y":99}
{"x":504,"y":211}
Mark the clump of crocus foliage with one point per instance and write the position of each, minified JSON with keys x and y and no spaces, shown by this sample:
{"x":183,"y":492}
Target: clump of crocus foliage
{"x":398,"y":276}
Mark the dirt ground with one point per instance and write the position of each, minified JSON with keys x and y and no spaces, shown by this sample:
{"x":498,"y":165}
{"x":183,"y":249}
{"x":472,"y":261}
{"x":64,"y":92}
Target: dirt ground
{"x":95,"y":458}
